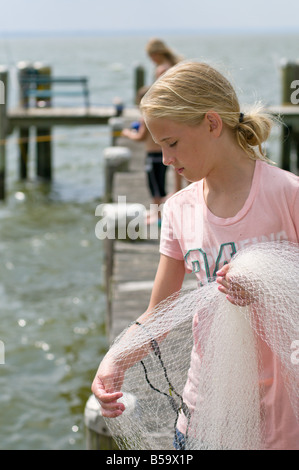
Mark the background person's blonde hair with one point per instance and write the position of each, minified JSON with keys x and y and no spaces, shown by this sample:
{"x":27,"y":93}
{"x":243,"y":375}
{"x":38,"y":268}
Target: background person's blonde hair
{"x":157,"y":46}
{"x":187,"y":91}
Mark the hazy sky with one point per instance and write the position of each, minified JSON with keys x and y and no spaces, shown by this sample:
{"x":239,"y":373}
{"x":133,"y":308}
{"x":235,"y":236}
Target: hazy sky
{"x":138,"y":15}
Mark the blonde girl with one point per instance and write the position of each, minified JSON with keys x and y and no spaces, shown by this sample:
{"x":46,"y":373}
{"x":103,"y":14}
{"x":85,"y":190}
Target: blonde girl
{"x":193,"y":113}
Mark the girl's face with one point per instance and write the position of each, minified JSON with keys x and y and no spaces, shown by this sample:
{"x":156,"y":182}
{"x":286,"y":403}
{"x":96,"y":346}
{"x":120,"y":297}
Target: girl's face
{"x":157,"y":58}
{"x":189,"y":149}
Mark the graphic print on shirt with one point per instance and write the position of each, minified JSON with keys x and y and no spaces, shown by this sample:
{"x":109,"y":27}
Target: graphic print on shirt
{"x":195,"y":258}
{"x":205,"y":263}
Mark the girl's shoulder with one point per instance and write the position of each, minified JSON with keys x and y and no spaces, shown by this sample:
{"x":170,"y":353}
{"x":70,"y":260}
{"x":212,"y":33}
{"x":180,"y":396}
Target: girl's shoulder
{"x":278,"y":177}
{"x":188,"y":195}
{"x":162,"y":68}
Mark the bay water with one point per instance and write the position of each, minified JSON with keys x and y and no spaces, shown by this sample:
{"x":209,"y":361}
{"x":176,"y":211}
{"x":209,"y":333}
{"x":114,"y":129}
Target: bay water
{"x":52,"y":299}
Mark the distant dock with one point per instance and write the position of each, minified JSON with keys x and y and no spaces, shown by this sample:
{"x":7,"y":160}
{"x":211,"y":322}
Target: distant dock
{"x":38,"y":89}
{"x":66,"y":116}
{"x":37,"y":92}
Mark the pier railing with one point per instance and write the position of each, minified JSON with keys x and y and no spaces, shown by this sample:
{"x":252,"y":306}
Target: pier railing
{"x":41,"y":87}
{"x":37,"y":86}
{"x":36,"y":114}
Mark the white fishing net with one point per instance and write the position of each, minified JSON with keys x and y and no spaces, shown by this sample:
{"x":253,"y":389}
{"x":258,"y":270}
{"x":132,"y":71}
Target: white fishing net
{"x":202,"y":367}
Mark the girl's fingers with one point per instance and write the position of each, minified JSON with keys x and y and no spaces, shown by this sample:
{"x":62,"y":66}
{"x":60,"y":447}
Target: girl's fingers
{"x":108,"y":397}
{"x":111,"y":414}
{"x":115,"y":406}
{"x":110,"y":408}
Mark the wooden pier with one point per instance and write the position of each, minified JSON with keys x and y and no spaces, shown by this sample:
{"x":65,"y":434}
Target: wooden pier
{"x":36,"y":110}
{"x":134,"y":262}
{"x":37,"y":84}
{"x":129,"y":272}
{"x":131,"y":269}
{"x":50,"y":117}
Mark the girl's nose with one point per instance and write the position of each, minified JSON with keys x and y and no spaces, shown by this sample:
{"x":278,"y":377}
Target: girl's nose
{"x":167,"y":159}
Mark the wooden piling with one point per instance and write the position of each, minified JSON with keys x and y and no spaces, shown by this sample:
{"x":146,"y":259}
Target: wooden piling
{"x":116,"y":125}
{"x":24,"y":71}
{"x":97,"y":433}
{"x":120,"y":221}
{"x":289,"y":73}
{"x":43,"y":134}
{"x":116,"y":159}
{"x":3,"y":128}
{"x":139,"y":80}
{"x":290,"y":134}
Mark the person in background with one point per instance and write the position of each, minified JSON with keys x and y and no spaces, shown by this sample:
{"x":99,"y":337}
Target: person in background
{"x":154,"y":167}
{"x":164,"y":58}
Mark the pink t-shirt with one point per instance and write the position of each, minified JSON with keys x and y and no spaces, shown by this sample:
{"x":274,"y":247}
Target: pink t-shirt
{"x":190,"y":232}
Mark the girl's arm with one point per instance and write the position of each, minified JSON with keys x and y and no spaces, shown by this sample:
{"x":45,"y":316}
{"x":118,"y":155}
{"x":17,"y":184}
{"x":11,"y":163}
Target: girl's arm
{"x":139,"y":135}
{"x":110,"y":375}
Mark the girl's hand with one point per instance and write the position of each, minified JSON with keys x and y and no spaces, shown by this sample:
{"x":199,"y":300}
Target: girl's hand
{"x":106,"y":388}
{"x":234,"y":292}
{"x":126,"y":133}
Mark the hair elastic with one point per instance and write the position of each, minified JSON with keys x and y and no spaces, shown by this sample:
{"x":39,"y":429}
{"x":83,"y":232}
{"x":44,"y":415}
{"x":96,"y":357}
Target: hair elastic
{"x":241,"y":118}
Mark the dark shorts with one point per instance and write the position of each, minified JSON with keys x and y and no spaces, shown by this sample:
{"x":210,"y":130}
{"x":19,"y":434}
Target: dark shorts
{"x":179,"y":442}
{"x":156,"y":173}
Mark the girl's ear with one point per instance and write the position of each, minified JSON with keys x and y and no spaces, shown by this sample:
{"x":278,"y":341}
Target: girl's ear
{"x":215,"y":122}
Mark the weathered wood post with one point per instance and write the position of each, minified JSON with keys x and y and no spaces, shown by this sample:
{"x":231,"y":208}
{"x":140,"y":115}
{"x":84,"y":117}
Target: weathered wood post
{"x":289,"y":73}
{"x":2,"y":352}
{"x":43,"y":135}
{"x":98,"y":436}
{"x":116,"y":159}
{"x":3,"y":128}
{"x":25,"y":69}
{"x":290,"y":137}
{"x":116,"y":125}
{"x":139,"y":80}
{"x":120,"y":221}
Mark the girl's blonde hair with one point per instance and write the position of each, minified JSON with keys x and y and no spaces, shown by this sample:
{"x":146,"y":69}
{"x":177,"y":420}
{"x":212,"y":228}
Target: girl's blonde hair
{"x":187,"y":91}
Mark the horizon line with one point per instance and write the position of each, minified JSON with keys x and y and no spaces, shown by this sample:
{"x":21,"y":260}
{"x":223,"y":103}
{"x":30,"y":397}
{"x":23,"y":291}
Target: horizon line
{"x":143,"y":32}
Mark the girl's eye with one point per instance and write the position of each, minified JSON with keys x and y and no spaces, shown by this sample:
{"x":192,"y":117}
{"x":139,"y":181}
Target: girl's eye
{"x":173,"y":144}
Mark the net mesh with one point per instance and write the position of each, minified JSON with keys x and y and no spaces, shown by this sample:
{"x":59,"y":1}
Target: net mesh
{"x":200,"y":359}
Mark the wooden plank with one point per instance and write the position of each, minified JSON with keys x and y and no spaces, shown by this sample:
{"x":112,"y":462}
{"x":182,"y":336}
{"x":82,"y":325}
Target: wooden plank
{"x":37,"y":79}
{"x":61,"y":116}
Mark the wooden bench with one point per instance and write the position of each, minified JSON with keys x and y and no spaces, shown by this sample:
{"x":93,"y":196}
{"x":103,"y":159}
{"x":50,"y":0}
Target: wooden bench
{"x":41,"y":87}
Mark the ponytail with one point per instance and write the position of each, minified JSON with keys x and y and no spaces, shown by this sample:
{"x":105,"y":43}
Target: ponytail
{"x":252,"y":130}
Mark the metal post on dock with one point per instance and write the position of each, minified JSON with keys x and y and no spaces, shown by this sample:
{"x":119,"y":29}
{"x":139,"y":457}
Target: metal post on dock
{"x":43,"y":135}
{"x":3,"y":127}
